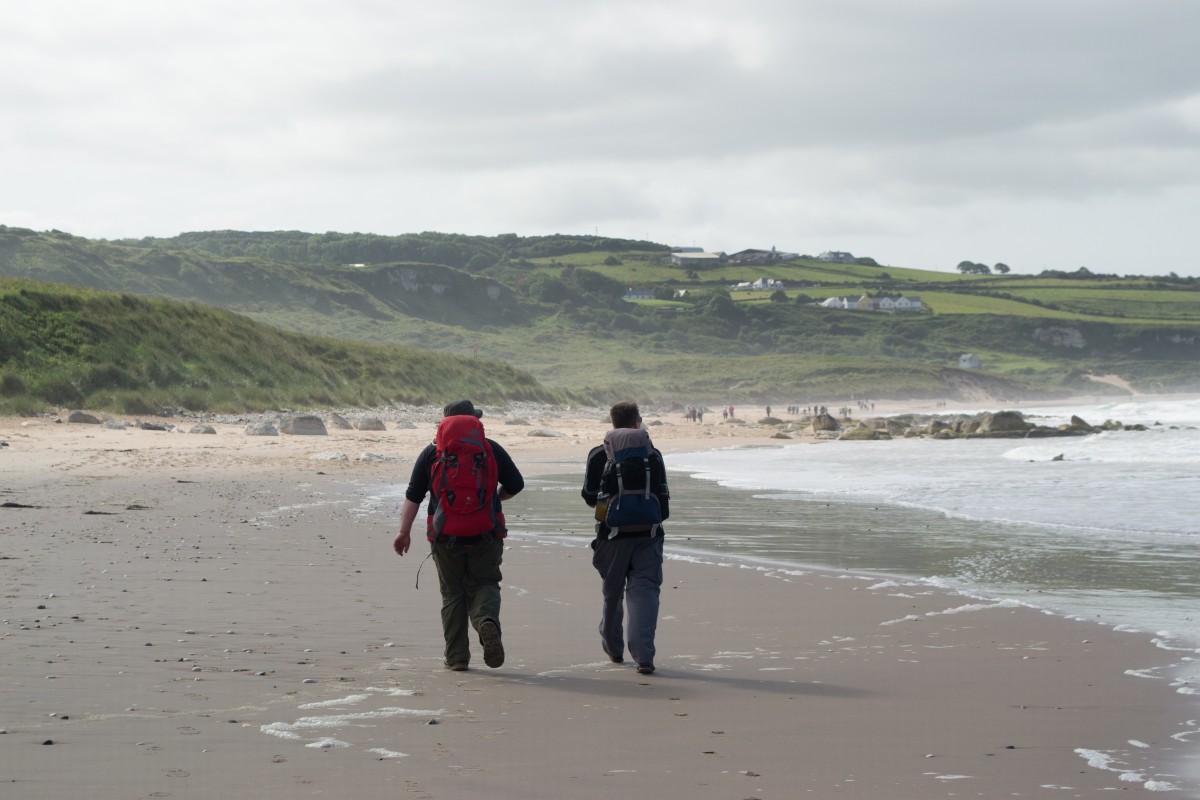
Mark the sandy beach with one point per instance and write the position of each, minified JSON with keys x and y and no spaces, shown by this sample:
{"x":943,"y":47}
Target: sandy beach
{"x":190,"y":615}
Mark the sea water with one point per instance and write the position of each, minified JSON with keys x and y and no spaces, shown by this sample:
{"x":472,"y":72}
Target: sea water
{"x":1103,"y":527}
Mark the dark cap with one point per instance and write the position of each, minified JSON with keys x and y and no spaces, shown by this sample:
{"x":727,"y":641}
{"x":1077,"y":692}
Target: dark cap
{"x":461,"y":407}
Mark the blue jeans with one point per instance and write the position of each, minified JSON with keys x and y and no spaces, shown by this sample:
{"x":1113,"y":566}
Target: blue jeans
{"x":632,"y":575}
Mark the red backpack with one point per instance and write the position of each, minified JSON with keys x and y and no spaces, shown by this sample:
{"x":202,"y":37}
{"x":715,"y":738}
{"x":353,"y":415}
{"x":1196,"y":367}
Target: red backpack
{"x":463,"y":481}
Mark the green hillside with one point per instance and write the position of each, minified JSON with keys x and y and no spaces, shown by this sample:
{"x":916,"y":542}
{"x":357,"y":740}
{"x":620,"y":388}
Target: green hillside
{"x":552,"y":308}
{"x":70,"y":347}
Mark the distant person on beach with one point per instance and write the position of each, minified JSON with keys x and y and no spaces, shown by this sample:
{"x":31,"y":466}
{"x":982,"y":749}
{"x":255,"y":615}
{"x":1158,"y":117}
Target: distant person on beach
{"x":467,"y":547}
{"x":629,"y":558}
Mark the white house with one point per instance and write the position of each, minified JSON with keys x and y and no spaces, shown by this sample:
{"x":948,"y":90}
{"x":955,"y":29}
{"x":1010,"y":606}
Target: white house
{"x":969,"y":361}
{"x":868,"y":303}
{"x":696,"y":259}
{"x":638,"y":294}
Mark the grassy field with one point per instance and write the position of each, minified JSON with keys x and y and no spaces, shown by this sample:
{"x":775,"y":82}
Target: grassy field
{"x":546,"y":317}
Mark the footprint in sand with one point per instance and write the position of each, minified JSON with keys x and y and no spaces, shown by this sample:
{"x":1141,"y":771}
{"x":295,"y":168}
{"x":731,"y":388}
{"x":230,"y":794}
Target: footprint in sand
{"x":178,"y":773}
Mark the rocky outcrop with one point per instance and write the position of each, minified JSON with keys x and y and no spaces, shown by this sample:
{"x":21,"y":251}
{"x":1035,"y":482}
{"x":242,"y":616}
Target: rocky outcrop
{"x":864,"y":433}
{"x":992,"y":425}
{"x":1060,"y":337}
{"x":1079,"y":425}
{"x":1000,"y":422}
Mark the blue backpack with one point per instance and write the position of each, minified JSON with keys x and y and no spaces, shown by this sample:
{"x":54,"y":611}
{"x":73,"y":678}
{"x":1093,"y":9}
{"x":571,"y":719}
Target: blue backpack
{"x":626,"y":498}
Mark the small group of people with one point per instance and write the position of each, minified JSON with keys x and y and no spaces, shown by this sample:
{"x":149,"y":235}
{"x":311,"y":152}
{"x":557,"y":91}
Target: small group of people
{"x":694,"y":413}
{"x":629,"y":558}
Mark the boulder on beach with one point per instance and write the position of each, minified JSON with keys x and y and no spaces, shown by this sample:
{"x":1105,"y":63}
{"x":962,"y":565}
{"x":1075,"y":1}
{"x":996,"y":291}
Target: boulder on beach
{"x":83,"y":418}
{"x":369,"y":424}
{"x":1001,"y":422}
{"x":264,"y":428}
{"x":303,"y":425}
{"x":203,"y":429}
{"x":825,"y":422}
{"x":337,"y":422}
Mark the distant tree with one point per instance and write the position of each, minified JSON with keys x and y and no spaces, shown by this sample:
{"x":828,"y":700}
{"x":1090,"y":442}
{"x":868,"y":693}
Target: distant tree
{"x":612,"y":261}
{"x":546,"y":288}
{"x":778,"y":296}
{"x":1002,"y":268}
{"x":719,"y":304}
{"x":972,"y":268}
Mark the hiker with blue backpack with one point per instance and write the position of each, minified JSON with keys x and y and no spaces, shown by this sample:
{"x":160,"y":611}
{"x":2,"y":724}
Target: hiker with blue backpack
{"x":625,"y":481}
{"x":466,"y":476}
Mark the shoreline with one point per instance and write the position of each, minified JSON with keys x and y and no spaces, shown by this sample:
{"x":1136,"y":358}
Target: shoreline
{"x":192,"y":585}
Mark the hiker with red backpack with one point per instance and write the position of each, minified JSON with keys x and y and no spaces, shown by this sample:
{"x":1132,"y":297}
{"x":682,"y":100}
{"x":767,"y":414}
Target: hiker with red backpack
{"x":466,"y":476}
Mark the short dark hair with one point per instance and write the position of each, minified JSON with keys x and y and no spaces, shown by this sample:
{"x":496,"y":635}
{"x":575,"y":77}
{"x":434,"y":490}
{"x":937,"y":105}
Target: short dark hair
{"x":461,"y":407}
{"x":625,"y":414}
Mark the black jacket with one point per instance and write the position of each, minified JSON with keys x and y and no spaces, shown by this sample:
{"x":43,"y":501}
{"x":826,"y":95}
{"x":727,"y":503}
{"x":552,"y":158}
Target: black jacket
{"x":596,"y":460}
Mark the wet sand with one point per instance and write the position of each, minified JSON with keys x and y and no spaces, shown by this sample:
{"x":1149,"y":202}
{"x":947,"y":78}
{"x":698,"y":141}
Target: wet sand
{"x":198,"y":616}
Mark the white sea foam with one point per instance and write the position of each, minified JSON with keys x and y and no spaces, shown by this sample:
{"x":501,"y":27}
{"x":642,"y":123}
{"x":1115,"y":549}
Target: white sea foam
{"x":382,"y":753}
{"x":1160,"y":786}
{"x":1113,"y":502}
{"x":341,"y":701}
{"x":288,"y":730}
{"x":326,"y":744}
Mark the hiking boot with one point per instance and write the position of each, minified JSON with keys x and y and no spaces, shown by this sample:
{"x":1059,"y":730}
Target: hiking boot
{"x":614,"y":659}
{"x":645,"y":669}
{"x":458,"y":666}
{"x":493,"y":648}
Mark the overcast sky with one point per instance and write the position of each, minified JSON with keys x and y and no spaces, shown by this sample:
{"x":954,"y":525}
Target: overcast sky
{"x":1045,"y":134}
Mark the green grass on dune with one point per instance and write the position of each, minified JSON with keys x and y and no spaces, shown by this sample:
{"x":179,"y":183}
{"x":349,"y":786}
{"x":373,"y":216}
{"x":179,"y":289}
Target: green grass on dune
{"x":81,"y":348}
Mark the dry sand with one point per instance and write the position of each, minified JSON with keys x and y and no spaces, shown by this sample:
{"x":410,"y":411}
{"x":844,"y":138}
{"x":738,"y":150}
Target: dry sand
{"x":222,"y":616}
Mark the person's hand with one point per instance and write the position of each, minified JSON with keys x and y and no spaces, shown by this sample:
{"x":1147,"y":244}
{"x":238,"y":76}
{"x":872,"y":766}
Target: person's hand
{"x":402,"y":542}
